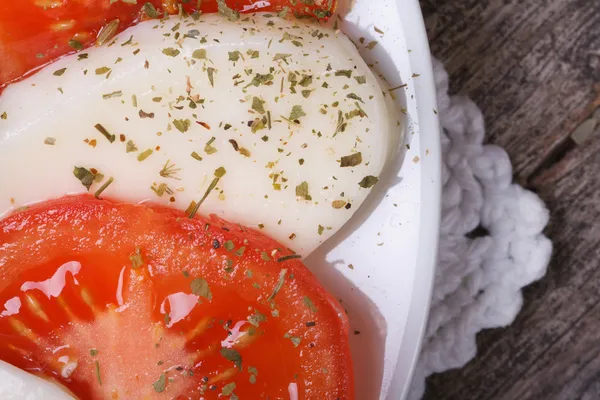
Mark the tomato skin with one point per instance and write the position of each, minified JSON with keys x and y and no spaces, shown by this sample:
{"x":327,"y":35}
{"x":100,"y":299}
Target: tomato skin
{"x":36,"y":32}
{"x":104,"y":234}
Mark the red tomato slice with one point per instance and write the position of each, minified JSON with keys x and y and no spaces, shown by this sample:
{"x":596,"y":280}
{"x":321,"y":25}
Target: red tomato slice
{"x":120,"y":301}
{"x":36,"y":32}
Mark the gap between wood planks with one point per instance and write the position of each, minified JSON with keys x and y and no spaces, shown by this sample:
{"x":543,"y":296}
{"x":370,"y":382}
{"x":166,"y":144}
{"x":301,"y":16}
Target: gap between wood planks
{"x":583,"y":129}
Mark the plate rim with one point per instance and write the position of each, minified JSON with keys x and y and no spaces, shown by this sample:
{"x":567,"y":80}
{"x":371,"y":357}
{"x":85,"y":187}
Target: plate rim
{"x":413,"y":24}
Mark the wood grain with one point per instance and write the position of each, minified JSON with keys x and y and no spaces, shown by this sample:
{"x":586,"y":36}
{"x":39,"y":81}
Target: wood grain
{"x":533,"y":66}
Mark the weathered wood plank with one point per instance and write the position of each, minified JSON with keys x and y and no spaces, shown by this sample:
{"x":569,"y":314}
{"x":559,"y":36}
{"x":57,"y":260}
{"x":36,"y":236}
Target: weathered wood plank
{"x":570,"y":366}
{"x":530,"y":65}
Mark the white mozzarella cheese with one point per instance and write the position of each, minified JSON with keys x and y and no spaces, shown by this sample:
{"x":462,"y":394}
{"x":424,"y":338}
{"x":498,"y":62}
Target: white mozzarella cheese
{"x":282,"y":106}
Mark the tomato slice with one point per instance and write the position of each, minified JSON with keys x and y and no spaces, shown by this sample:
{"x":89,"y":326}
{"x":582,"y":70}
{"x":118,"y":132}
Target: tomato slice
{"x":120,"y":301}
{"x":36,"y":32}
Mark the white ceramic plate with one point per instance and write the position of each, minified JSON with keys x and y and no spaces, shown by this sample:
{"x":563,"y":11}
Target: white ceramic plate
{"x":392,"y":240}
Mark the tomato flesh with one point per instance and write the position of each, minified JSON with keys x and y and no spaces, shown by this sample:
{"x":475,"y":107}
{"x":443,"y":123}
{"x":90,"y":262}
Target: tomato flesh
{"x":36,"y":32}
{"x":120,"y":301}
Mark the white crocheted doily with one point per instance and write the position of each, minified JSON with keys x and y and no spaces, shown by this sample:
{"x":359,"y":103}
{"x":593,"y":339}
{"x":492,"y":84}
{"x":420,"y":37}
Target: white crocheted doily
{"x":478,"y":280}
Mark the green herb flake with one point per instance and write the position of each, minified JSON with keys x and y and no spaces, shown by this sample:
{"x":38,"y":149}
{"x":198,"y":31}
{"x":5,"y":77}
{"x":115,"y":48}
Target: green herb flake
{"x":169,"y":171}
{"x":296,"y":113}
{"x":309,"y":304}
{"x":171,"y":52}
{"x":85,"y":176}
{"x":97,"y":368}
{"x":196,"y":156}
{"x":306,"y":80}
{"x":368,"y":182}
{"x":293,"y":38}
{"x":220,"y":172}
{"x":264,"y":256}
{"x":279,"y":284}
{"x":228,"y":389}
{"x":296,"y":340}
{"x":4,"y":115}
{"x":93,"y":352}
{"x":229,"y":246}
{"x":136,"y":258}
{"x":200,"y":287}
{"x":290,"y":257}
{"x":256,"y":318}
{"x":129,"y":41}
{"x":252,"y":379}
{"x":199,"y":54}
{"x":258,"y":105}
{"x":354,"y":96}
{"x":338,"y":204}
{"x":320,"y":229}
{"x":182,"y":125}
{"x":234,"y":55}
{"x":161,"y":189}
{"x":130,"y":147}
{"x":145,"y":154}
{"x":59,"y":72}
{"x":190,"y":208}
{"x":361,"y":79}
{"x":281,"y":56}
{"x":118,"y":93}
{"x":344,"y":72}
{"x":233,"y":356}
{"x":341,"y":124}
{"x":211,"y":76}
{"x":253,"y":53}
{"x":261,"y":79}
{"x":208,"y":148}
{"x":50,"y":141}
{"x":160,"y":384}
{"x":227,"y":12}
{"x":302,"y":191}
{"x":75,"y":44}
{"x":351,"y":161}
{"x":306,"y":93}
{"x":151,"y":11}
{"x":103,"y":187}
{"x":283,"y":13}
{"x":257,"y":125}
{"x":102,"y":70}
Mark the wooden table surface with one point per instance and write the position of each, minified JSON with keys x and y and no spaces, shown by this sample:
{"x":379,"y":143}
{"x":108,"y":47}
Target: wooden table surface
{"x":533,"y":66}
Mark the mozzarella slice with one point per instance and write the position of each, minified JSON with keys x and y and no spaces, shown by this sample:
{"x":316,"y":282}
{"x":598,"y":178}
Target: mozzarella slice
{"x":288,"y":111}
{"x":16,"y":384}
